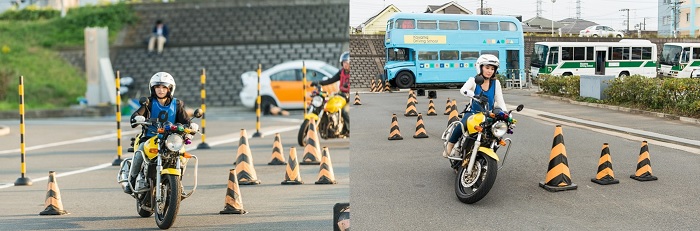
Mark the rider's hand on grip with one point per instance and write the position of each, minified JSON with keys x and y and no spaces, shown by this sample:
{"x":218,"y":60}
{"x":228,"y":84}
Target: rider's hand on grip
{"x":194,"y":127}
{"x":136,"y":120}
{"x":483,"y":99}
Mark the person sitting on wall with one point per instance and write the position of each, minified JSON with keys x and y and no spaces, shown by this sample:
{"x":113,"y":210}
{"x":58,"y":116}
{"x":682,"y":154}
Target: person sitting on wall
{"x":158,"y":37}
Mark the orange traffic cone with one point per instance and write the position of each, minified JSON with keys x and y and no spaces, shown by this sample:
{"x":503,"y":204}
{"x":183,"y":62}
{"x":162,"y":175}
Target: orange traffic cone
{"x":410,"y":108}
{"x":53,"y":203}
{"x":373,"y":86}
{"x":325,"y":174}
{"x":605,"y":174}
{"x":420,"y":128}
{"x":245,"y":170}
{"x":448,"y":107}
{"x":387,"y":86}
{"x":292,"y":175}
{"x":454,"y":115}
{"x":558,"y":176}
{"x":312,"y":149}
{"x":233,"y":200}
{"x":394,"y":133}
{"x":412,"y":97}
{"x":643,"y":172}
{"x":357,"y":99}
{"x":277,"y":152}
{"x":431,"y":109}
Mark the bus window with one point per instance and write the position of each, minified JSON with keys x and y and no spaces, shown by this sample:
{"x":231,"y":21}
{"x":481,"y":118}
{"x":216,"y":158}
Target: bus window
{"x":397,"y":54}
{"x":685,"y":56}
{"x":449,"y":55}
{"x":427,"y":24}
{"x":389,"y":25}
{"x":539,"y":55}
{"x":646,"y":53}
{"x":615,"y":53}
{"x":567,"y":53}
{"x":636,"y":53}
{"x":589,"y":53}
{"x":468,"y":25}
{"x":470,"y":55}
{"x":508,"y":26}
{"x":625,"y":53}
{"x":405,"y":24}
{"x":427,"y":55}
{"x":448,"y":25}
{"x":553,"y":56}
{"x":490,"y":26}
{"x":579,"y":53}
{"x":491,"y":52}
{"x":696,"y":53}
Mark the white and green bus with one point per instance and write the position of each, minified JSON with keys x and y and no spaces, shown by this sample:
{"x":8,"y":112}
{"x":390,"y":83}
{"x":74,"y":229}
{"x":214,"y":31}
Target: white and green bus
{"x":624,"y":58}
{"x":680,"y":60}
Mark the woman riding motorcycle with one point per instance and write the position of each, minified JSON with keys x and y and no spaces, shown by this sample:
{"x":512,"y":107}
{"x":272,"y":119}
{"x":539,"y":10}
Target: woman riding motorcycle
{"x":344,"y":77}
{"x":161,"y":101}
{"x":487,"y":66}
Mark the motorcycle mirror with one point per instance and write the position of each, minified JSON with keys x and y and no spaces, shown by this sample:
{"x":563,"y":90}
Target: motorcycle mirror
{"x":520,"y":107}
{"x":143,"y":100}
{"x":198,"y":113}
{"x":479,"y":79}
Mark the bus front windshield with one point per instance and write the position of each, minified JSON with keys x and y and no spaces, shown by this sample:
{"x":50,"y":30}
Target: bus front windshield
{"x":539,"y":56}
{"x":397,"y":54}
{"x":670,"y":55}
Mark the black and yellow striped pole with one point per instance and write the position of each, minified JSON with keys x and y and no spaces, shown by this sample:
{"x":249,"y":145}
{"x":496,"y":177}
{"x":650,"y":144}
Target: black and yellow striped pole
{"x":23,"y":180}
{"x":258,"y":108}
{"x":203,"y":93}
{"x":303,"y":81}
{"x":118,"y":160}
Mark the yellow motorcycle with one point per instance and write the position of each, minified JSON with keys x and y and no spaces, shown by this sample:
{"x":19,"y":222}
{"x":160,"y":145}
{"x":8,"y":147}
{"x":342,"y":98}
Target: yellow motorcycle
{"x":326,"y":110}
{"x":164,"y":164}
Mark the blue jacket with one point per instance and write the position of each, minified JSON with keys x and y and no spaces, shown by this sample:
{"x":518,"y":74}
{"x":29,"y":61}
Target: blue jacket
{"x":165,"y":30}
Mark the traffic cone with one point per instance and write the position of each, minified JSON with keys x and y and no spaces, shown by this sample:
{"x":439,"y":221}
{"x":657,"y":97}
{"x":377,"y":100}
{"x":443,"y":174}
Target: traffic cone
{"x":394,"y":133}
{"x":292,"y":175}
{"x":431,"y":109}
{"x":373,"y":86}
{"x":448,"y":107}
{"x":325,"y":174}
{"x":387,"y":86}
{"x":277,"y":152}
{"x":644,"y":165}
{"x":53,"y":203}
{"x":605,"y":174}
{"x":558,"y":177}
{"x":312,"y":148}
{"x":454,"y":115}
{"x":410,"y":108}
{"x":233,"y":201}
{"x":357,"y":99}
{"x":274,"y":110}
{"x":420,"y":128}
{"x":412,"y":97}
{"x":245,"y":170}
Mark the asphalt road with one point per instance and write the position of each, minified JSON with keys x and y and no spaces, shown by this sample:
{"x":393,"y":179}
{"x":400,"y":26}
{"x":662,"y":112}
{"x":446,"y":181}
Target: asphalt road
{"x":407,"y":185}
{"x":96,"y":202}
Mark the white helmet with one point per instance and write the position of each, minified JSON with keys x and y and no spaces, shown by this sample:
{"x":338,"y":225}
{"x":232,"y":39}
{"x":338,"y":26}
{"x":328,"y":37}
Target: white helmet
{"x":162,"y":78}
{"x":487,"y":59}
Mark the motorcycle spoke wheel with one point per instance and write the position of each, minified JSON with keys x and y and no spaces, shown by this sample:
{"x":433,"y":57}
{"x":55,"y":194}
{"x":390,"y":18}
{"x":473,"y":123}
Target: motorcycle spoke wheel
{"x":166,"y":209}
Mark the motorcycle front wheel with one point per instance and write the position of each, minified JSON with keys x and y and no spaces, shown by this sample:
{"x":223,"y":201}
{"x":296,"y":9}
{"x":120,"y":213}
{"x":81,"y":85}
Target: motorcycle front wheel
{"x":471,"y":188}
{"x":301,"y":137}
{"x":166,"y":209}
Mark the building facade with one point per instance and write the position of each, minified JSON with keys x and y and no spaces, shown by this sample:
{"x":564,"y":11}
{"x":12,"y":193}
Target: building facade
{"x":689,"y":22}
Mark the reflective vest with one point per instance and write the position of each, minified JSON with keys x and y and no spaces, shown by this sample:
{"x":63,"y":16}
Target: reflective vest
{"x":344,"y":81}
{"x":156,"y":110}
{"x":491,"y":93}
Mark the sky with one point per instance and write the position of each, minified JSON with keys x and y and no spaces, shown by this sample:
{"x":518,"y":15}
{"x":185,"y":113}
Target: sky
{"x":604,"y":12}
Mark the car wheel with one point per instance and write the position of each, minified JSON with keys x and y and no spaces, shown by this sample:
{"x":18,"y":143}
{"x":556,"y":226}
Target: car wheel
{"x":595,"y":35}
{"x":619,"y":36}
{"x":265,"y":104}
{"x":405,"y":80}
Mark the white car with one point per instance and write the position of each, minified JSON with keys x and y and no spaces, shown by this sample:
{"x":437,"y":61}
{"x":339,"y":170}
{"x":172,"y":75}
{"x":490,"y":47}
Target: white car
{"x":600,"y":31}
{"x":282,"y":84}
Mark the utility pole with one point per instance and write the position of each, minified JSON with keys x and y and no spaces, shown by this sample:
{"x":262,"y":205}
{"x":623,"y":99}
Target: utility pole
{"x":628,"y":20}
{"x":676,"y":12}
{"x":482,"y":7}
{"x":578,"y":9}
{"x":539,"y":8}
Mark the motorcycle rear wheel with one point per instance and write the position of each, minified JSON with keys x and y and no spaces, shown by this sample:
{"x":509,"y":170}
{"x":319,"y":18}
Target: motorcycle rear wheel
{"x":301,"y":137}
{"x":166,"y":211}
{"x":472,"y":188}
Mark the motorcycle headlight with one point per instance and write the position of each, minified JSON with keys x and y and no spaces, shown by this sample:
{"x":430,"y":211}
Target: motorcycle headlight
{"x":174,"y":143}
{"x":499,"y":129}
{"x":317,"y":101}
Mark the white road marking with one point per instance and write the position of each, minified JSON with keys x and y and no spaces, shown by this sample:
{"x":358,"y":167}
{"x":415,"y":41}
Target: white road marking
{"x":76,"y":141}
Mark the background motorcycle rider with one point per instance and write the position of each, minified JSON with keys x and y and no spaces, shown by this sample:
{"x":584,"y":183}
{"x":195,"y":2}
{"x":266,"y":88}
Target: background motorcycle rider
{"x":344,"y":77}
{"x":162,"y":89}
{"x":487,"y":66}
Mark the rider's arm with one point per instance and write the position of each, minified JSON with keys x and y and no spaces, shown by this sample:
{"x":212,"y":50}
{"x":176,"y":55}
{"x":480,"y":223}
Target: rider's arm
{"x":468,"y":88}
{"x":333,"y":79}
{"x":181,"y":116}
{"x":139,"y":112}
{"x":499,"y":97}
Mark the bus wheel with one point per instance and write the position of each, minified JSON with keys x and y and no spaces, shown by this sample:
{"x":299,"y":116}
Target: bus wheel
{"x":566,"y":74}
{"x":624,"y":74}
{"x":405,"y":80}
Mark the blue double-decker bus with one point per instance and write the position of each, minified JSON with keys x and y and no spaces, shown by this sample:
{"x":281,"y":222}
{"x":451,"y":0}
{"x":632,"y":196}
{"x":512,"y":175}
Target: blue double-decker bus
{"x":442,"y":48}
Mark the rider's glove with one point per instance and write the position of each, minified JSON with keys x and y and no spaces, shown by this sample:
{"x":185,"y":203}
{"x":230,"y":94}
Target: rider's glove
{"x":137,"y":119}
{"x":483,"y":98}
{"x":194,"y":127}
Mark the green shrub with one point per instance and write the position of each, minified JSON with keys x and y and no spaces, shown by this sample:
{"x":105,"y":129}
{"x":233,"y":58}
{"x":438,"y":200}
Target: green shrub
{"x":30,"y":13}
{"x":679,"y":96}
{"x":567,"y":86}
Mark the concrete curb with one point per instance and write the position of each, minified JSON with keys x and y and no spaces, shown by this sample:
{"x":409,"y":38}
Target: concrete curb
{"x":4,"y":130}
{"x":623,"y":109}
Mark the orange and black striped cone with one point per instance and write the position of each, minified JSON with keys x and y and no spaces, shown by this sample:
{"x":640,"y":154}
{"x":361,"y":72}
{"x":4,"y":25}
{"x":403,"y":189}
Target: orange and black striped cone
{"x":233,"y":200}
{"x":420,"y":128}
{"x":410,"y":108}
{"x":605,"y":174}
{"x":292,"y":175}
{"x":387,"y":86}
{"x":558,"y":177}
{"x":431,"y":109}
{"x":644,"y":165}
{"x":53,"y":203}
{"x":412,"y":97}
{"x":357,"y":99}
{"x":312,"y":148}
{"x":277,"y":152}
{"x":325,"y":174}
{"x":454,"y":115}
{"x":448,"y":106}
{"x":244,"y":162}
{"x":394,"y":133}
